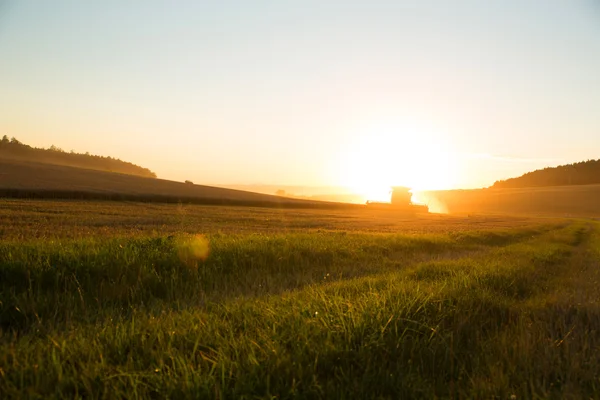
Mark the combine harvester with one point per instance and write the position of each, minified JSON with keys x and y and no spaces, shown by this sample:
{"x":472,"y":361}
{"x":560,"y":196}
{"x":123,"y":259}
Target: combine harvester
{"x":401,"y":201}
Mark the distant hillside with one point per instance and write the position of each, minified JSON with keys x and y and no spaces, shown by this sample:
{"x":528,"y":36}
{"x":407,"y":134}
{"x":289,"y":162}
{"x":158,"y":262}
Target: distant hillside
{"x":14,"y":150}
{"x":24,"y":179}
{"x":573,"y":201}
{"x":337,"y":194}
{"x":582,"y":173}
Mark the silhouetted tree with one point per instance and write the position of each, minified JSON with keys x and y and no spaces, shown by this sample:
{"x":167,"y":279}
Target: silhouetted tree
{"x":14,"y":149}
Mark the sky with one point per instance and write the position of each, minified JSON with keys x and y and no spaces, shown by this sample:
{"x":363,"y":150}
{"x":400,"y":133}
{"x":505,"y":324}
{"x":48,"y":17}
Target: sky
{"x":365,"y":94}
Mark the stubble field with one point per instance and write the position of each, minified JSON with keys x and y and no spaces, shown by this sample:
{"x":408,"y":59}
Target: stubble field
{"x":125,"y":300}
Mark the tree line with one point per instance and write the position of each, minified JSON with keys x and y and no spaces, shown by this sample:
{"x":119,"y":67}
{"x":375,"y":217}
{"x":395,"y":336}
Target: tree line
{"x":15,"y":150}
{"x":581,"y":173}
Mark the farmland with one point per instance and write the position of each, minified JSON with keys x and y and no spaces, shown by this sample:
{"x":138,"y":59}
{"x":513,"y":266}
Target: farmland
{"x":106,"y":299}
{"x":31,"y":180}
{"x":570,"y":201}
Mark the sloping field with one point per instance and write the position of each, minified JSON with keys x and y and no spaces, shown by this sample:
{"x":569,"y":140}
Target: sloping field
{"x":580,"y":200}
{"x":34,"y":180}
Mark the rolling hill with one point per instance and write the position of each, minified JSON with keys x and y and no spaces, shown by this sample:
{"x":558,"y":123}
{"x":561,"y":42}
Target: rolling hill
{"x":12,"y":149}
{"x":566,"y":190}
{"x":21,"y":177}
{"x":581,"y":173}
{"x":24,"y":179}
{"x":574,"y":201}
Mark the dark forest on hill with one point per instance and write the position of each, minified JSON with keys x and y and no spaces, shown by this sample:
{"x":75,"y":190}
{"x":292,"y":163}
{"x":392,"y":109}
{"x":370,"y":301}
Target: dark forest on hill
{"x":581,"y":173}
{"x":12,"y":149}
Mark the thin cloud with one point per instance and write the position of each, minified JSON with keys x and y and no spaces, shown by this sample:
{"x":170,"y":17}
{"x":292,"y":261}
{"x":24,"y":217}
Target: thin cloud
{"x":511,"y":159}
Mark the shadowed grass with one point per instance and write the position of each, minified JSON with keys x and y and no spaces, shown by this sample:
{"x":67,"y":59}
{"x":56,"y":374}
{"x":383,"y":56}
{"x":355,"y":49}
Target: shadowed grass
{"x":486,"y":314}
{"x":68,"y":280}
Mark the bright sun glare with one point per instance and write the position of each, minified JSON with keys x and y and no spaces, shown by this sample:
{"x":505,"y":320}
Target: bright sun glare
{"x":397,"y":155}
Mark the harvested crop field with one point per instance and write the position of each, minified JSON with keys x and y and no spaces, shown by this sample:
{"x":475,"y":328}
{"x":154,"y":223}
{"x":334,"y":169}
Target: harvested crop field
{"x":30,"y":180}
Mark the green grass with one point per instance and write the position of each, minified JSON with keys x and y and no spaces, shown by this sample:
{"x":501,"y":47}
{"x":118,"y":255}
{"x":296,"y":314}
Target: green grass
{"x":491,"y":312}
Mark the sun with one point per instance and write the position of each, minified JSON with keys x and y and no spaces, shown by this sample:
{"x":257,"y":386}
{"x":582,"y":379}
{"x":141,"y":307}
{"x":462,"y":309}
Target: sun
{"x":397,"y":154}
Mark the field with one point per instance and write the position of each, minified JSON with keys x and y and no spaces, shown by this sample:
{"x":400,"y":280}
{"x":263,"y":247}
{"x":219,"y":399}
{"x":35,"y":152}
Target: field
{"x":126,"y":300}
{"x":29,"y":180}
{"x":568,"y":201}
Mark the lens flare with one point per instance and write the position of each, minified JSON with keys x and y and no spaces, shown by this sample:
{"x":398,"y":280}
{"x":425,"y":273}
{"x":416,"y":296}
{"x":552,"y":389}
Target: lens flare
{"x":192,"y":249}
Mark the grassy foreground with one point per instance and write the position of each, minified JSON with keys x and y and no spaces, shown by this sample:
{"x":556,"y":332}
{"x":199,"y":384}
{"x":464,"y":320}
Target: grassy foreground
{"x":493,"y":312}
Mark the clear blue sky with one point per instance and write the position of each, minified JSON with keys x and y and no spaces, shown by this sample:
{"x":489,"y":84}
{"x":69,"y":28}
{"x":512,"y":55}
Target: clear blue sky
{"x":428,"y":93}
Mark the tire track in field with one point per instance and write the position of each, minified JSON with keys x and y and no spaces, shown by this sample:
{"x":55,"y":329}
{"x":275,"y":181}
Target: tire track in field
{"x":474,"y":249}
{"x":577,"y":282}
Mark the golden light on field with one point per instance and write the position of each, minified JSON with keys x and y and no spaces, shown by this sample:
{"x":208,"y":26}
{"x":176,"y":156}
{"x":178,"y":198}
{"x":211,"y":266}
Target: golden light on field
{"x":397,"y":154}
